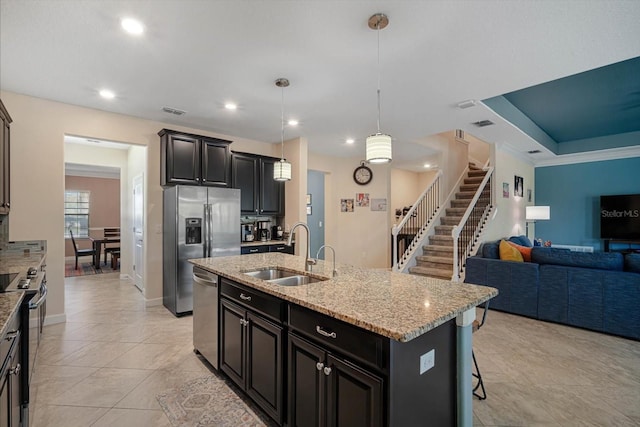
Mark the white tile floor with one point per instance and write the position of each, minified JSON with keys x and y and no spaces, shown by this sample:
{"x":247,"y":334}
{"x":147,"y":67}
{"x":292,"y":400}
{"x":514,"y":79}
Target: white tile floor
{"x":105,"y":366}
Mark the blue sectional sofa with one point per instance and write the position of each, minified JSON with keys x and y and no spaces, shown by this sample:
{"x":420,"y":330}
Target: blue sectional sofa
{"x":598,"y":291}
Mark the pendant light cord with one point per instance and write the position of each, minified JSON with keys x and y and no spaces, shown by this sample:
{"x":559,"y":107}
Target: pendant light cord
{"x":282,"y":124}
{"x":378,"y":31}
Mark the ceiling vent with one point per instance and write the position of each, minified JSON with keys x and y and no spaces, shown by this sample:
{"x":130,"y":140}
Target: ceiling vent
{"x":483,"y":123}
{"x":534,"y":151}
{"x":174,"y":111}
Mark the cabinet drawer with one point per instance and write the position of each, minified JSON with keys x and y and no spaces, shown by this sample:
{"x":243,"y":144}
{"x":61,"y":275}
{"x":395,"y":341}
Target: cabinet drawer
{"x":347,"y":339}
{"x":256,"y":300}
{"x":281,"y":248}
{"x":8,"y":339}
{"x":244,"y":250}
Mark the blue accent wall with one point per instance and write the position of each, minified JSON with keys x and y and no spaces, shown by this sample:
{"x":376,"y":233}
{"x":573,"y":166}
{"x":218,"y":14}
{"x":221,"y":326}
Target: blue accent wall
{"x":573,"y":192}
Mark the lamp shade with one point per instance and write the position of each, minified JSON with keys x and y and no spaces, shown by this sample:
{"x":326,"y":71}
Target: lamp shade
{"x":282,"y":170}
{"x":537,"y":212}
{"x":378,"y":148}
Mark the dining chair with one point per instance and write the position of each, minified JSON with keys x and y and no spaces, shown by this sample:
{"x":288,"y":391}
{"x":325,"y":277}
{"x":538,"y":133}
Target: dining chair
{"x":110,"y":247}
{"x":80,"y":252}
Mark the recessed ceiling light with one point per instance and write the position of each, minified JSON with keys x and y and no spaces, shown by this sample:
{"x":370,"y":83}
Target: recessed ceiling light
{"x":107,"y":94}
{"x":293,"y":123}
{"x":427,"y":165}
{"x":230,"y":106}
{"x":350,"y":141}
{"x":132,"y":26}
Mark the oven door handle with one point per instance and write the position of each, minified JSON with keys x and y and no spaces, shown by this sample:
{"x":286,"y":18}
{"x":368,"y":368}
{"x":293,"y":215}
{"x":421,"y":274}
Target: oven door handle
{"x":43,"y":297}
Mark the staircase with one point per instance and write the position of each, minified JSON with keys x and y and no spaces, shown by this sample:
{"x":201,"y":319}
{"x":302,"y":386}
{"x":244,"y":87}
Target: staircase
{"x":437,"y":259}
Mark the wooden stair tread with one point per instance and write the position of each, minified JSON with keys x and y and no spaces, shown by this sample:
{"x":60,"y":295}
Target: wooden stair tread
{"x":435,"y":259}
{"x":431,"y":272}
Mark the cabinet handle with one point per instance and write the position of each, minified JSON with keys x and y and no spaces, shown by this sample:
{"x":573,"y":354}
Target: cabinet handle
{"x":8,"y":205}
{"x":327,"y":370}
{"x":319,"y":366}
{"x":16,"y":370}
{"x":244,"y":322}
{"x":245,"y":297}
{"x":253,"y":251}
{"x":325,"y":333}
{"x":11,"y":335}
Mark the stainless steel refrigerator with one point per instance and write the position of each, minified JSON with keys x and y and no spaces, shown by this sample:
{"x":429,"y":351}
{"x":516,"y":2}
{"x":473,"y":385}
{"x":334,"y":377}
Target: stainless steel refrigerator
{"x":198,"y":222}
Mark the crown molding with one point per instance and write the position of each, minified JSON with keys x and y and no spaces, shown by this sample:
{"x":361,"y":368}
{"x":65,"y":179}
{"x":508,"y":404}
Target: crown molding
{"x":91,"y":171}
{"x":590,"y":156}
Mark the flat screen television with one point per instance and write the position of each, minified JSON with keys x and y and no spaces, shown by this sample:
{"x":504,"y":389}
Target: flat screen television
{"x":620,"y":217}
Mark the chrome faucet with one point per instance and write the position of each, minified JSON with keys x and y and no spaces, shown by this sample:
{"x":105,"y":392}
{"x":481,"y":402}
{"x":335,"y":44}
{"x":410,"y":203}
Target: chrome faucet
{"x":334,"y":272}
{"x":309,"y":262}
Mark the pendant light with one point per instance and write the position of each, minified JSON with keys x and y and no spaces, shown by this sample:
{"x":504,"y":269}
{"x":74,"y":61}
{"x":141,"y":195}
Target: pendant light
{"x":378,"y":146}
{"x":282,"y":169}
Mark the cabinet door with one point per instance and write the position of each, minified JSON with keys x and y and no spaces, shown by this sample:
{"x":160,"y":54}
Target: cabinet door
{"x":5,"y":402}
{"x":232,"y":342}
{"x":216,"y":167}
{"x":183,"y":159}
{"x":306,"y":383}
{"x":4,"y":167}
{"x":271,"y":191}
{"x":264,"y":365}
{"x":244,"y":176}
{"x":354,"y":396}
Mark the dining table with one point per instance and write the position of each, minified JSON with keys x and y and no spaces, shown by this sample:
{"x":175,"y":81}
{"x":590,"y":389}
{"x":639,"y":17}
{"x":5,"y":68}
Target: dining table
{"x":98,"y":242}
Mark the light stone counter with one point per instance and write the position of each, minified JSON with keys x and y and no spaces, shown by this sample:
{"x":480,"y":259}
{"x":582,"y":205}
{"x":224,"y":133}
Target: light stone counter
{"x":395,"y":305}
{"x":9,"y":304}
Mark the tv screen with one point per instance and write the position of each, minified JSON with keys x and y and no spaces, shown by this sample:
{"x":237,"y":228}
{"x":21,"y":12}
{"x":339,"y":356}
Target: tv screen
{"x":620,"y":217}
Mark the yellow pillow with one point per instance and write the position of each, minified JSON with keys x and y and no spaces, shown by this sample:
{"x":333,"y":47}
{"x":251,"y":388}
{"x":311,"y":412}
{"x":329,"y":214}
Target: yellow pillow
{"x":509,"y":253}
{"x":525,"y":251}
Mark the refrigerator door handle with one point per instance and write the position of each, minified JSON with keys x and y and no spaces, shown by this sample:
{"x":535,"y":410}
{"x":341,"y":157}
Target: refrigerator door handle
{"x":210,"y":227}
{"x":205,"y":232}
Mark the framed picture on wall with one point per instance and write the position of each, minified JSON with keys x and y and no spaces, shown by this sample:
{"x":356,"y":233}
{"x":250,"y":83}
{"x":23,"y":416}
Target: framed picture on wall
{"x":518,"y":184}
{"x":528,"y":195}
{"x":308,"y":210}
{"x":308,"y":199}
{"x":505,"y":190}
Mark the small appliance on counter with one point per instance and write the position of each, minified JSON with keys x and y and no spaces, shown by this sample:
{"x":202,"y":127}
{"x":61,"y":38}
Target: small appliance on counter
{"x":263,"y":231}
{"x":247,"y":232}
{"x":277,"y":233}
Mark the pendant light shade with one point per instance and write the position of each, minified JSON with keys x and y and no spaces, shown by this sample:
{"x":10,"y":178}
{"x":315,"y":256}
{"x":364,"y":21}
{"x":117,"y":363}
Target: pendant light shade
{"x":378,"y":146}
{"x":282,"y":169}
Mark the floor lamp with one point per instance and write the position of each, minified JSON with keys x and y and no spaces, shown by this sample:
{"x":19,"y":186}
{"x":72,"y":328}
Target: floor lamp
{"x":535,"y":213}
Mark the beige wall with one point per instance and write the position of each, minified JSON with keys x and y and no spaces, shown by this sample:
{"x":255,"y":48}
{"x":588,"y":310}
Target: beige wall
{"x":37,"y":179}
{"x":509,"y":219}
{"x":104,"y":203}
{"x":362,"y":237}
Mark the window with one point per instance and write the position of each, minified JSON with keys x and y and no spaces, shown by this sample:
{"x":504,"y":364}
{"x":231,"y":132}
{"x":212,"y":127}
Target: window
{"x":76,"y":213}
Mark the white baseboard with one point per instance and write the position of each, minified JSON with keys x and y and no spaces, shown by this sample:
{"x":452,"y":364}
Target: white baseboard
{"x":56,"y":318}
{"x":153,"y":302}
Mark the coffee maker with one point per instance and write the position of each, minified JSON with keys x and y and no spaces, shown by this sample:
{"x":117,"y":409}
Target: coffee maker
{"x":246,"y":231}
{"x":277,"y":233}
{"x":263,"y":231}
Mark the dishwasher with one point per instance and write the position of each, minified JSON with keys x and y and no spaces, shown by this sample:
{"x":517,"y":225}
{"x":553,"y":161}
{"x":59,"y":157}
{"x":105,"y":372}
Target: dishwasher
{"x":205,"y":315}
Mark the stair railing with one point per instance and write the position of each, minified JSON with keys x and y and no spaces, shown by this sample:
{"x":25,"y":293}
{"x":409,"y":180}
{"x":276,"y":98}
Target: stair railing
{"x":466,"y":233}
{"x":416,"y":222}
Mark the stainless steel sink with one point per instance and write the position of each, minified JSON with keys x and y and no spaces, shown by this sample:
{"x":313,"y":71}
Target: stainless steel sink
{"x":295,"y":280}
{"x":282,"y":277}
{"x":270,"y":274}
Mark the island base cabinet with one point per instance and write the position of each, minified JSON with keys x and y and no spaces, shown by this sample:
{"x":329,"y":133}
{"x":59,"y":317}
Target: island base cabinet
{"x":325,"y":390}
{"x":252,"y":356}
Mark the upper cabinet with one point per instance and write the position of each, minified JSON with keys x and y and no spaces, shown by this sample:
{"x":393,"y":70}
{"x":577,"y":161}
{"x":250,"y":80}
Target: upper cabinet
{"x":5,"y":121}
{"x":260,"y":194}
{"x":194,"y":159}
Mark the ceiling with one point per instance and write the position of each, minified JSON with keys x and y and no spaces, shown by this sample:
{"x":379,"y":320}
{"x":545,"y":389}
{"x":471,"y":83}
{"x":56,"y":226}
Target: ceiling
{"x":198,"y":55}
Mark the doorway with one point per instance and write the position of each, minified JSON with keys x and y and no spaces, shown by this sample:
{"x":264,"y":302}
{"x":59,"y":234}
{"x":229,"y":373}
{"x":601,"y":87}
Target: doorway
{"x":315,"y":210}
{"x":138,"y":231}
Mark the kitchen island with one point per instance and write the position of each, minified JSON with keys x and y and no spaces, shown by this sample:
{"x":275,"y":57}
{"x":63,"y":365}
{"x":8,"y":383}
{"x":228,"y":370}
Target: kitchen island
{"x":398,"y":346}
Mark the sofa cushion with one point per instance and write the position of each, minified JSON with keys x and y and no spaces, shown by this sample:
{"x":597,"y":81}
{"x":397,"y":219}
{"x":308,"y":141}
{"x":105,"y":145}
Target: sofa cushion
{"x":509,"y":252}
{"x":632,"y":263}
{"x":524,"y":251}
{"x":521,"y":240}
{"x":491,"y":250}
{"x":596,"y":260}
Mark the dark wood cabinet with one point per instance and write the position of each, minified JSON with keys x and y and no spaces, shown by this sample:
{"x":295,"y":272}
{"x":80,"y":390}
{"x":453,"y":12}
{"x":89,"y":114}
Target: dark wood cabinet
{"x":252,"y":346}
{"x":256,"y":249}
{"x":325,"y":390}
{"x":260,"y":193}
{"x":5,"y":143}
{"x":10,"y":369}
{"x":194,"y":159}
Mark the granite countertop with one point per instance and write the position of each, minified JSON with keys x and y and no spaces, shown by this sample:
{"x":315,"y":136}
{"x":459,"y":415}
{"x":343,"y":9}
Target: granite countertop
{"x":9,"y":304}
{"x":395,"y":305}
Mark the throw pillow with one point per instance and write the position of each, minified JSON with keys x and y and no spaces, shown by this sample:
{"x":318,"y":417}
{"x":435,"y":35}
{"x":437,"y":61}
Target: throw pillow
{"x":509,"y":253}
{"x":521,"y":240}
{"x":525,"y":251}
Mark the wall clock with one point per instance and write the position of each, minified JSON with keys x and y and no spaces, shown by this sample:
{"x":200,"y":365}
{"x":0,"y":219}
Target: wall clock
{"x":362,"y":175}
